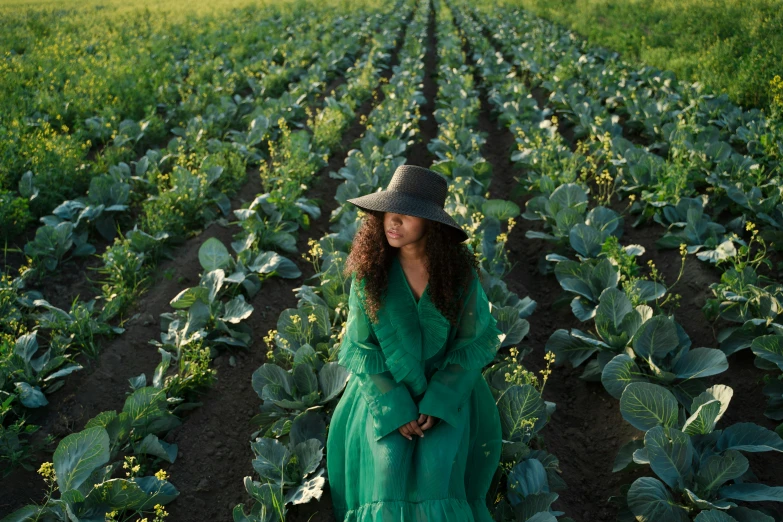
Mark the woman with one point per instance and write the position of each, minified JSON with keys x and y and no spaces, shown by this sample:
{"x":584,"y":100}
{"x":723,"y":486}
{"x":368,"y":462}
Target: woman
{"x":416,"y":434}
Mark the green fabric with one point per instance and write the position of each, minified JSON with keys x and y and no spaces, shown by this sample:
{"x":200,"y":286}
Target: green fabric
{"x":414,"y":361}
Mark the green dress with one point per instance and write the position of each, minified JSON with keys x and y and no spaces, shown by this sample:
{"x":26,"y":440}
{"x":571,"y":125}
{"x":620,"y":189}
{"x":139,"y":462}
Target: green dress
{"x":414,"y":361}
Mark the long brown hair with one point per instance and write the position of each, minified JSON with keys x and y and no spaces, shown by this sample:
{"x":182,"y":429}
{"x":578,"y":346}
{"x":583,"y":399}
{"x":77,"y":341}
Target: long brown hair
{"x":448,"y":263}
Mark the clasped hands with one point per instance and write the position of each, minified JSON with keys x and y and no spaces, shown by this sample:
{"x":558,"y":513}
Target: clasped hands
{"x":418,"y":426}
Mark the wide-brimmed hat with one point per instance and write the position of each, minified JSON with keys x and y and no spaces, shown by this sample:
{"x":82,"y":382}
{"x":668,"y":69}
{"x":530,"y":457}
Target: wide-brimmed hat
{"x":414,"y":191}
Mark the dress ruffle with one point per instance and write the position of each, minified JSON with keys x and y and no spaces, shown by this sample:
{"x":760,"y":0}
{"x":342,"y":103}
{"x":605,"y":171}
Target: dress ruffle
{"x":400,"y":339}
{"x":477,"y":353}
{"x":358,"y":359}
{"x":439,"y":510}
{"x":434,"y":327}
{"x":355,"y":356}
{"x":408,"y":331}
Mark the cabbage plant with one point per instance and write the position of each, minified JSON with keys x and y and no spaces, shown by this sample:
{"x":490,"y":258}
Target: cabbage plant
{"x":534,"y":476}
{"x":634,"y":345}
{"x":84,"y":463}
{"x":310,"y":385}
{"x":290,"y":472}
{"x":687,"y":223}
{"x":701,"y":471}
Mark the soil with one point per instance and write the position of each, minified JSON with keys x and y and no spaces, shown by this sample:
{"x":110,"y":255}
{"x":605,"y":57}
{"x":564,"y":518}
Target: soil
{"x":418,"y":154}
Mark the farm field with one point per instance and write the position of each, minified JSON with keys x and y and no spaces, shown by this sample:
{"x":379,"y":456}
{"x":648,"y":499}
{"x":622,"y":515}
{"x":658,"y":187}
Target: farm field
{"x":173,"y":207}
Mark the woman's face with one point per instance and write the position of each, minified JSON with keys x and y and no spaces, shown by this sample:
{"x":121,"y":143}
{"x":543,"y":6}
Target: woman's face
{"x":402,"y":229}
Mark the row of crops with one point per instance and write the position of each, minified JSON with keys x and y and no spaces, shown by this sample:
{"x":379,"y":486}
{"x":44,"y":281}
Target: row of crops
{"x":605,"y":147}
{"x":689,"y":165}
{"x":266,"y":128}
{"x":293,"y":135}
{"x":298,"y":389}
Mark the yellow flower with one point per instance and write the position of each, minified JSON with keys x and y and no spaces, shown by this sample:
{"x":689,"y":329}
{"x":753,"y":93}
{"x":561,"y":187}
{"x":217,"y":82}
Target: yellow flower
{"x":161,"y":475}
{"x":47,"y":470}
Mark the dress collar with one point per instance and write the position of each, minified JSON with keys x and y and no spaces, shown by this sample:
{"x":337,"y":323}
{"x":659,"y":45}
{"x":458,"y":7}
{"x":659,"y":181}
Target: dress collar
{"x":401,"y":274}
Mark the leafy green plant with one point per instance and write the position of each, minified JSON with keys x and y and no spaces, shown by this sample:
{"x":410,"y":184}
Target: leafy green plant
{"x":201,"y":312}
{"x":52,"y":244}
{"x":660,"y":351}
{"x":702,"y":470}
{"x":587,"y":280}
{"x":15,"y":214}
{"x":532,"y":474}
{"x":108,"y":196}
{"x":329,"y":123}
{"x":35,"y":377}
{"x":746,"y":297}
{"x":310,"y":383}
{"x":192,"y":199}
{"x":633,"y":345}
{"x":688,"y":224}
{"x":84,"y":463}
{"x":769,"y":355}
{"x":565,"y":214}
{"x":265,"y":225}
{"x":17,"y":447}
{"x":126,"y":268}
{"x":246,"y":142}
{"x":79,"y":327}
{"x":291,"y":473}
{"x":493,"y":241}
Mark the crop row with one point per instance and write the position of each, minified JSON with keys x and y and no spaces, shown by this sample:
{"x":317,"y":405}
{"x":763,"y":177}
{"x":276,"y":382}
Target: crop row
{"x":304,"y":380}
{"x":29,"y":371}
{"x":528,"y":480}
{"x":643,"y":356}
{"x":207,"y":316}
{"x":685,"y":182}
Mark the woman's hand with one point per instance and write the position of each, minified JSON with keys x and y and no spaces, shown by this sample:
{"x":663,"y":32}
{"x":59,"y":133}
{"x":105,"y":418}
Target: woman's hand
{"x":417,"y":427}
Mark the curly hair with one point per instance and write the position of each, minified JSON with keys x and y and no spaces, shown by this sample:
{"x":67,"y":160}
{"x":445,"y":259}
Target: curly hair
{"x":447,"y":261}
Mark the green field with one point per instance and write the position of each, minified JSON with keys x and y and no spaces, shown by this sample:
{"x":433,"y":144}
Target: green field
{"x":174,"y":218}
{"x":731,"y":46}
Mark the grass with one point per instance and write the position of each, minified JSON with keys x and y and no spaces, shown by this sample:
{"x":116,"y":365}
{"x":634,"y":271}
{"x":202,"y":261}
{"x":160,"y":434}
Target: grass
{"x":731,"y":46}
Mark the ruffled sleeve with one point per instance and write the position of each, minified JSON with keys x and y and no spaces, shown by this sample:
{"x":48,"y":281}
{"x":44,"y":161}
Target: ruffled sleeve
{"x":389,"y":401}
{"x":359,"y":351}
{"x":475,"y":345}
